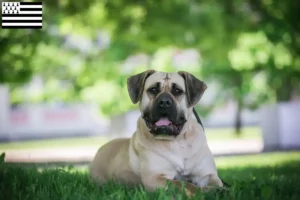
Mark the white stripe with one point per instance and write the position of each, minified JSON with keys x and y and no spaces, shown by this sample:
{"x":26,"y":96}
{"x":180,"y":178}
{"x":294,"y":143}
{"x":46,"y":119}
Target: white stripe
{"x":21,"y":18}
{"x":30,"y":12}
{"x":22,"y":24}
{"x":30,"y":6}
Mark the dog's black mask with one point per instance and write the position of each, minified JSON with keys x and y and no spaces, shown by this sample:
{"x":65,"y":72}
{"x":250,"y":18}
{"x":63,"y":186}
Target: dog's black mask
{"x":163,"y":118}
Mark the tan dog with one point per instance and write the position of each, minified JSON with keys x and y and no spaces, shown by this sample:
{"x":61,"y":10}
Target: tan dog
{"x":168,"y":145}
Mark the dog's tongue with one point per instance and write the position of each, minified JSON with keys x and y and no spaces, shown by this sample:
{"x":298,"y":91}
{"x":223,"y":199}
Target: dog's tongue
{"x":163,"y":122}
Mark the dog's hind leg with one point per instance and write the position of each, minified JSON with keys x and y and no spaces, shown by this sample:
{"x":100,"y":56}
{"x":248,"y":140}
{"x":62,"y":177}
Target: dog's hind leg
{"x":96,"y":176}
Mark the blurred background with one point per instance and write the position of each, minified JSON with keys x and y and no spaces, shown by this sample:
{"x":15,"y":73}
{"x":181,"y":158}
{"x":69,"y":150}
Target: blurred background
{"x":63,"y":89}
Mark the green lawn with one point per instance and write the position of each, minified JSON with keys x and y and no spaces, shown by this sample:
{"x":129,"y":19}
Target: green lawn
{"x":266,"y":176}
{"x":212,"y":134}
{"x":228,"y":133}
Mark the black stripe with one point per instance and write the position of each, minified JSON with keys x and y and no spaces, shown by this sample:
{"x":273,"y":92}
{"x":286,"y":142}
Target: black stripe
{"x":198,"y":118}
{"x":31,"y":3}
{"x":22,"y":27}
{"x":30,"y":9}
{"x":21,"y":15}
{"x":21,"y":21}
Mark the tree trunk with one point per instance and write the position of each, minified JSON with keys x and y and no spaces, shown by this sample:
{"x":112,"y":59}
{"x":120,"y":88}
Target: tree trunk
{"x":239,"y":97}
{"x":238,"y":117}
{"x":284,"y":91}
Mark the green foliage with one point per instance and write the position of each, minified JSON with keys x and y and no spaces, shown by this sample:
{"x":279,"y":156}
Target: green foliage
{"x":17,"y":49}
{"x":239,"y":43}
{"x":279,"y":23}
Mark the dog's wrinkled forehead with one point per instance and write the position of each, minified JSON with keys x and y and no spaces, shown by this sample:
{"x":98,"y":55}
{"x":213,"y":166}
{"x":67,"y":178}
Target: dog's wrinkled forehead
{"x":165,"y":80}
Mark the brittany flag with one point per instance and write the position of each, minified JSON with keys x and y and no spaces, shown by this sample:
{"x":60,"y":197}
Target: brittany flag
{"x":22,"y":15}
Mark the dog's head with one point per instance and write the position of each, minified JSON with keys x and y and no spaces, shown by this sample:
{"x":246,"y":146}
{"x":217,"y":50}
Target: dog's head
{"x":166,"y":99}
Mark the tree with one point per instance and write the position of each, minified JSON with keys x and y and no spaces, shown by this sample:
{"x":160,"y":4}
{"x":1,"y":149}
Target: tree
{"x":18,"y":48}
{"x":215,"y":28}
{"x":210,"y":26}
{"x":279,"y":22}
{"x":16,"y":52}
{"x":206,"y":25}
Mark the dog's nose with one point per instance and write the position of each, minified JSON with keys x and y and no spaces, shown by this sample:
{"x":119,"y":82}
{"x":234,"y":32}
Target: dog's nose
{"x":165,"y":102}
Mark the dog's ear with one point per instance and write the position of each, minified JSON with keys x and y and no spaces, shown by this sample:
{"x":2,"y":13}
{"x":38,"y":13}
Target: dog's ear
{"x":194,"y":88}
{"x":135,"y":85}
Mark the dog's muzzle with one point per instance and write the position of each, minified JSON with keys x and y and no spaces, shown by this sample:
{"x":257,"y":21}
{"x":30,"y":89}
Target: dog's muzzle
{"x":164,"y":119}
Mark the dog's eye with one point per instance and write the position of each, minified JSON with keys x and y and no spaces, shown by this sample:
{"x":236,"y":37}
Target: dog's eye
{"x":177,"y":91}
{"x":153,"y":91}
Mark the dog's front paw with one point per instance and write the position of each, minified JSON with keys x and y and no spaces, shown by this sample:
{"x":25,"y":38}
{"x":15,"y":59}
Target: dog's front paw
{"x":189,"y":193}
{"x":191,"y":189}
{"x":214,"y":188}
{"x":207,"y":188}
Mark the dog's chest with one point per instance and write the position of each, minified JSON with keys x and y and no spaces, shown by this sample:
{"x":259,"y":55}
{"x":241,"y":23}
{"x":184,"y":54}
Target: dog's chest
{"x":182,"y":156}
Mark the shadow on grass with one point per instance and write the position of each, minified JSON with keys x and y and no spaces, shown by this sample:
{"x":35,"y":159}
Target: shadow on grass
{"x":17,"y":182}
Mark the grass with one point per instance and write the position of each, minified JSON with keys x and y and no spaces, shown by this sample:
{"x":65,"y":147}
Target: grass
{"x":212,"y":134}
{"x":253,"y":132}
{"x":267,"y":176}
{"x":50,"y":143}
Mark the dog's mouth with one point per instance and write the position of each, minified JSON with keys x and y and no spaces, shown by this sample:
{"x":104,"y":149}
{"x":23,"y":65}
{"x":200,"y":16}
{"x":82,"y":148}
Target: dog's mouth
{"x":164,"y":126}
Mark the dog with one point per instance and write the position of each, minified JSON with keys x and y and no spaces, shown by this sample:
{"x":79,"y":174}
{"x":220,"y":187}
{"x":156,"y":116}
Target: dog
{"x":169,"y":145}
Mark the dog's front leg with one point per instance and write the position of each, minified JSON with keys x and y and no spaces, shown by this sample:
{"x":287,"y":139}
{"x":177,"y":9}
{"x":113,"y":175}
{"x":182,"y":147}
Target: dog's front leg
{"x":208,"y":182}
{"x":158,"y":174}
{"x":160,"y":181}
